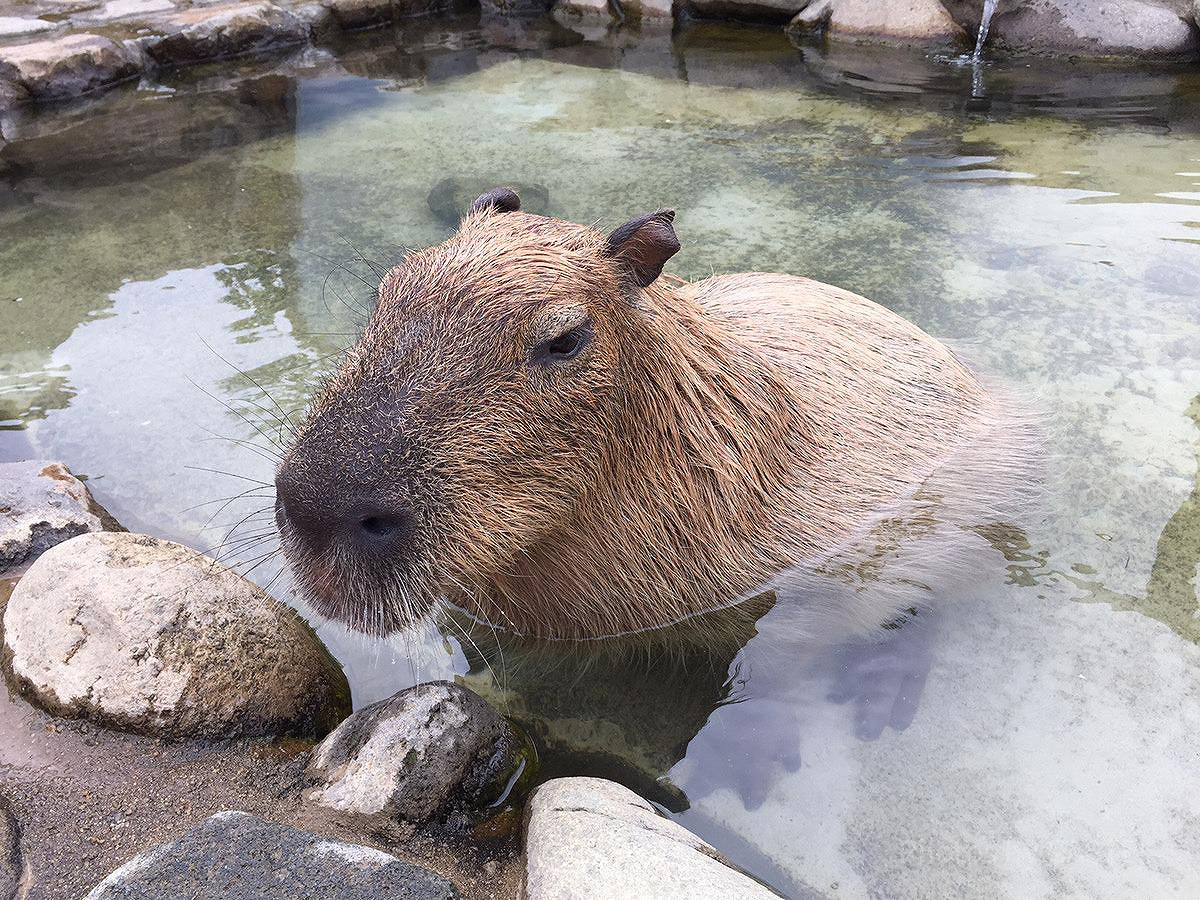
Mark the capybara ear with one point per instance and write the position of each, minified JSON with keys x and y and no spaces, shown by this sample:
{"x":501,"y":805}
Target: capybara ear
{"x":645,"y":244}
{"x":501,"y":199}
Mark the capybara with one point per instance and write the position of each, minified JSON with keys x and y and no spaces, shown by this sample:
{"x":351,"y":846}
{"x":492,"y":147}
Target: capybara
{"x":541,"y":428}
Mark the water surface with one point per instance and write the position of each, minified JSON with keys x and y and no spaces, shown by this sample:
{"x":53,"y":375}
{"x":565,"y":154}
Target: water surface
{"x":169,"y":250}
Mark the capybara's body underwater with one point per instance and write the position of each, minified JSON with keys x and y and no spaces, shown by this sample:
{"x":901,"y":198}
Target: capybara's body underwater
{"x":541,"y":428}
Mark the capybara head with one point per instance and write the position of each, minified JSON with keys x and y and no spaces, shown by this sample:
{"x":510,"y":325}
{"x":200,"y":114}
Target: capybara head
{"x":472,"y":416}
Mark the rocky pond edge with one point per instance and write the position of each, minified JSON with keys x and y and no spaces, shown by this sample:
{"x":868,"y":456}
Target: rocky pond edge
{"x":142,"y":635}
{"x":66,"y":48}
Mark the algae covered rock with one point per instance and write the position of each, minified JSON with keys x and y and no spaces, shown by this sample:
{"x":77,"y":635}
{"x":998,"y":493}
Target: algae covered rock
{"x":434,"y":749}
{"x":148,"y":636}
{"x":235,"y":856}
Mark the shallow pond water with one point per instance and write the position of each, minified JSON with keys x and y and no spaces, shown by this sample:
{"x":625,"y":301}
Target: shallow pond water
{"x":167,"y":252}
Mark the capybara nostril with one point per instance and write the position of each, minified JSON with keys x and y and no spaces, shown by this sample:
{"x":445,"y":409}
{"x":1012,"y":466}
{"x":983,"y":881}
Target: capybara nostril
{"x":383,"y":529}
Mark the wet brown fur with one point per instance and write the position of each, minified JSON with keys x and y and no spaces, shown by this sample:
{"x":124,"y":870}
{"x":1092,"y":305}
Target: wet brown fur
{"x":711,"y":436}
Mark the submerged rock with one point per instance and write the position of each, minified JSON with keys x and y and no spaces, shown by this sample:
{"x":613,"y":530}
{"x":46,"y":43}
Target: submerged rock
{"x":587,"y":837}
{"x":43,"y":504}
{"x":436,"y":748}
{"x":70,"y":65}
{"x":148,"y":636}
{"x":1140,"y":28}
{"x":235,"y":856}
{"x":892,"y":21}
{"x":450,"y":198}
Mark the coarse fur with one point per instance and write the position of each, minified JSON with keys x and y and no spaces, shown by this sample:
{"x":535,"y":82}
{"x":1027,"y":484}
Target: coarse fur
{"x":710,"y":438}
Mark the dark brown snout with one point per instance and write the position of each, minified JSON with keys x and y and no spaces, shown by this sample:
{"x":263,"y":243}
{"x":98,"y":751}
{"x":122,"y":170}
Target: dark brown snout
{"x":345,"y":515}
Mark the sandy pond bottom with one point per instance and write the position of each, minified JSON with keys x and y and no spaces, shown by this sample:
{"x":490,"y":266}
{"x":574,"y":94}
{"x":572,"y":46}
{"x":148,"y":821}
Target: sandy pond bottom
{"x":1044,"y":742}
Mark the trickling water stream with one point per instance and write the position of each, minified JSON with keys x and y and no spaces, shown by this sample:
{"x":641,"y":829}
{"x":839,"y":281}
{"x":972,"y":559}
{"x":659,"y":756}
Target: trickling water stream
{"x":985,"y":22}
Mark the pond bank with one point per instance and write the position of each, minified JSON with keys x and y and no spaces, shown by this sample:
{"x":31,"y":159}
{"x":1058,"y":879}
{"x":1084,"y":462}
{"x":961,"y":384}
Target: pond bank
{"x":167,"y":747}
{"x":51,"y":49}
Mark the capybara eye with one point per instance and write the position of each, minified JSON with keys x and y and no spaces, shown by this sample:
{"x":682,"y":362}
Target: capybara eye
{"x":567,"y":345}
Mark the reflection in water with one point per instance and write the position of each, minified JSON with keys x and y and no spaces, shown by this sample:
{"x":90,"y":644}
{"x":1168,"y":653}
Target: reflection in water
{"x":1017,"y":739}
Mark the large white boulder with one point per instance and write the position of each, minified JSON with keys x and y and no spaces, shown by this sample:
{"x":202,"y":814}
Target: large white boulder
{"x":149,"y":636}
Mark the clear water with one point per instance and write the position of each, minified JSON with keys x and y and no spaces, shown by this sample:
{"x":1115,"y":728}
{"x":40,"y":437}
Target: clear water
{"x":1045,"y":741}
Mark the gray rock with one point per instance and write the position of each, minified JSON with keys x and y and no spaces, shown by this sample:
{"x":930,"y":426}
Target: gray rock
{"x":13,"y":878}
{"x":779,"y":11}
{"x":43,"y":504}
{"x":890,"y":21}
{"x":123,"y":9}
{"x":591,"y":838}
{"x":434,"y":748}
{"x":15,"y":26}
{"x":11,"y":91}
{"x":583,"y":9}
{"x":228,"y":29}
{"x":148,"y":636}
{"x":1137,"y":28}
{"x":649,"y":11}
{"x":504,"y":8}
{"x":317,"y":17}
{"x":235,"y":856}
{"x":70,"y":65}
{"x":352,"y":14}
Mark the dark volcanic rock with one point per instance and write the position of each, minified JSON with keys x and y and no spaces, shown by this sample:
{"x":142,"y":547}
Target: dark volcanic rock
{"x":235,"y":856}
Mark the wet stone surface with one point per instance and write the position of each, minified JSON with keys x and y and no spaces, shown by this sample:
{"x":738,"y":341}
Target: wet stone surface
{"x":434,"y":748}
{"x":236,"y":856}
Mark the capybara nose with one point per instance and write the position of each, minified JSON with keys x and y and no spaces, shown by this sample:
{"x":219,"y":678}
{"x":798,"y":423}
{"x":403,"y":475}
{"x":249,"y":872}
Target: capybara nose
{"x":317,"y":519}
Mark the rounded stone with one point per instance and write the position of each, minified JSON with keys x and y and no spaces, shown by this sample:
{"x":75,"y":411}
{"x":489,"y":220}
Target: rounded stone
{"x":434,"y":748}
{"x":236,"y":856}
{"x":148,"y":636}
{"x":43,"y":504}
